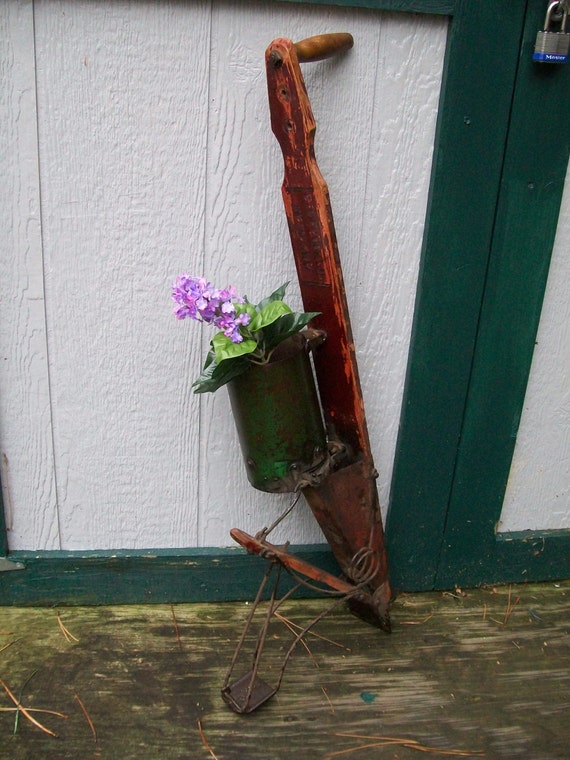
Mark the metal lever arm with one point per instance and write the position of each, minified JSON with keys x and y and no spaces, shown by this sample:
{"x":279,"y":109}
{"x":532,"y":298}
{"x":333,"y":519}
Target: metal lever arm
{"x":269,"y":551}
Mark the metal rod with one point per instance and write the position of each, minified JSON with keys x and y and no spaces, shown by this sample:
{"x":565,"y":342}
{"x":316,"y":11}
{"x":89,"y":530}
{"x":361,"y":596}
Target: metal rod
{"x":247,"y":625}
{"x":261,"y":638}
{"x":266,"y":531}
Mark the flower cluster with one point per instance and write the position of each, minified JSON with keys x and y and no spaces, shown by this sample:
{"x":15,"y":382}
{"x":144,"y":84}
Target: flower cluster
{"x":197,"y":299}
{"x":248,"y":333}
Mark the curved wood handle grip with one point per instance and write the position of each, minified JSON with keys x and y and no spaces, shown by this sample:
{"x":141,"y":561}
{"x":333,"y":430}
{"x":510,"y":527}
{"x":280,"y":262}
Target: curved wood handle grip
{"x":323,"y":46}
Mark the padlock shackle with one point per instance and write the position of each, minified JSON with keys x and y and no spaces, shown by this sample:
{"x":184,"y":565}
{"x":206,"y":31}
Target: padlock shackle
{"x":551,"y":6}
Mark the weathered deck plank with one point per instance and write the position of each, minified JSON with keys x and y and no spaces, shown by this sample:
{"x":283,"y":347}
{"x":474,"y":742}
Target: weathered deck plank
{"x":453,"y":675}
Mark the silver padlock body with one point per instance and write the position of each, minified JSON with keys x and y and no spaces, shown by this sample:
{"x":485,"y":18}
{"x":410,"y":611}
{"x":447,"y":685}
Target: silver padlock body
{"x":563,"y":43}
{"x":551,"y":47}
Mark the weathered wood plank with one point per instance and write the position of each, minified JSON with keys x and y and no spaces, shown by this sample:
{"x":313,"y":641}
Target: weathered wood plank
{"x":486,"y":671}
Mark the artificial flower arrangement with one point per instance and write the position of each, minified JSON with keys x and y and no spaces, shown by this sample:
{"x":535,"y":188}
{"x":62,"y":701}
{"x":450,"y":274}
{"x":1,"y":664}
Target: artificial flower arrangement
{"x":248,"y":333}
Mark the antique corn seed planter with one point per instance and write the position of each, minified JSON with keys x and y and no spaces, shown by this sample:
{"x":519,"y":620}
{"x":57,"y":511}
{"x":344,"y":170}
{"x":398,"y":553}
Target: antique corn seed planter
{"x":284,"y":444}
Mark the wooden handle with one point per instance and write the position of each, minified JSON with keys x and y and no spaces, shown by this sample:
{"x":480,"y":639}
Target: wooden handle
{"x":323,"y":46}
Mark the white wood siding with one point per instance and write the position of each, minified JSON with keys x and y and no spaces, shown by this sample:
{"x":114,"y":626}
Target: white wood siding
{"x":136,"y":145}
{"x":27,"y":464}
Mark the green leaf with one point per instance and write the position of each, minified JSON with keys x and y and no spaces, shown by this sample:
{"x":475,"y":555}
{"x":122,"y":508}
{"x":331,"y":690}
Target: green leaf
{"x":277,"y":295}
{"x":267,"y":315}
{"x":225,"y":349}
{"x":247,"y":306}
{"x":285,"y":326}
{"x":210,"y":357}
{"x":215,"y":375}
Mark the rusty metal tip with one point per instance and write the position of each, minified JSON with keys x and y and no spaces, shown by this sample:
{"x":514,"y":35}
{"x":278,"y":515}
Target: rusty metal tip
{"x":369,"y":613}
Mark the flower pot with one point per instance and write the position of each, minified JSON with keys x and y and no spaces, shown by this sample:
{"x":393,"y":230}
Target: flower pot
{"x":278,"y":418}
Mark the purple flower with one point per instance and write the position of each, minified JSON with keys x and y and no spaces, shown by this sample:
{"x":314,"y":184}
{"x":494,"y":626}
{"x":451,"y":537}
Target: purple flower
{"x":197,"y":299}
{"x":230,"y":325}
{"x":192,"y":296}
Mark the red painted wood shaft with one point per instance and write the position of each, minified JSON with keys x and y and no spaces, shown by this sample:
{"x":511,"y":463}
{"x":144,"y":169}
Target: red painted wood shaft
{"x":346,"y":504}
{"x":313,"y":237}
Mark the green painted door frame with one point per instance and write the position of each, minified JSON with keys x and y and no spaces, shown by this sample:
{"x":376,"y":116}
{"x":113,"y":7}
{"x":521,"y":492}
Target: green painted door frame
{"x":479,"y":304}
{"x":451,"y":464}
{"x":532,"y":184}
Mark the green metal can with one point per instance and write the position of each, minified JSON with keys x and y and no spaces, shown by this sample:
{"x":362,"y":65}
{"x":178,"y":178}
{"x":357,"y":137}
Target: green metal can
{"x":278,"y":418}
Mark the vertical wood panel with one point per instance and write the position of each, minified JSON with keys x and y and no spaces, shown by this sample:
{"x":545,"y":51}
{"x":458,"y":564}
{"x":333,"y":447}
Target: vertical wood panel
{"x":27,"y":464}
{"x":538,"y":492}
{"x":123,"y":98}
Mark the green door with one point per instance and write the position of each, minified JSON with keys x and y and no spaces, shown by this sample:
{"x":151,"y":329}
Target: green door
{"x":475,"y":333}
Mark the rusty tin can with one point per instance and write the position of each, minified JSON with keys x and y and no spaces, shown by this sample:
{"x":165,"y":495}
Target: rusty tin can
{"x":278,"y":418}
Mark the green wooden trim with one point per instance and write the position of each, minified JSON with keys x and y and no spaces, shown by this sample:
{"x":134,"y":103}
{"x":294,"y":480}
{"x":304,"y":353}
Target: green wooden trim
{"x":477,"y":91}
{"x":153,"y":577}
{"x":533,"y":181}
{"x":508,"y":558}
{"x":434,"y":7}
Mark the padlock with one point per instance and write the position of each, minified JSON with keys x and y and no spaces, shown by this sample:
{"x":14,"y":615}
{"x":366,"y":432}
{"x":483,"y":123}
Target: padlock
{"x":552,"y":47}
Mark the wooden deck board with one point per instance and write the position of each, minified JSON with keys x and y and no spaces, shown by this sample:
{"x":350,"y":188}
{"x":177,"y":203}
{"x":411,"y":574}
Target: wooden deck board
{"x":458,"y":672}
